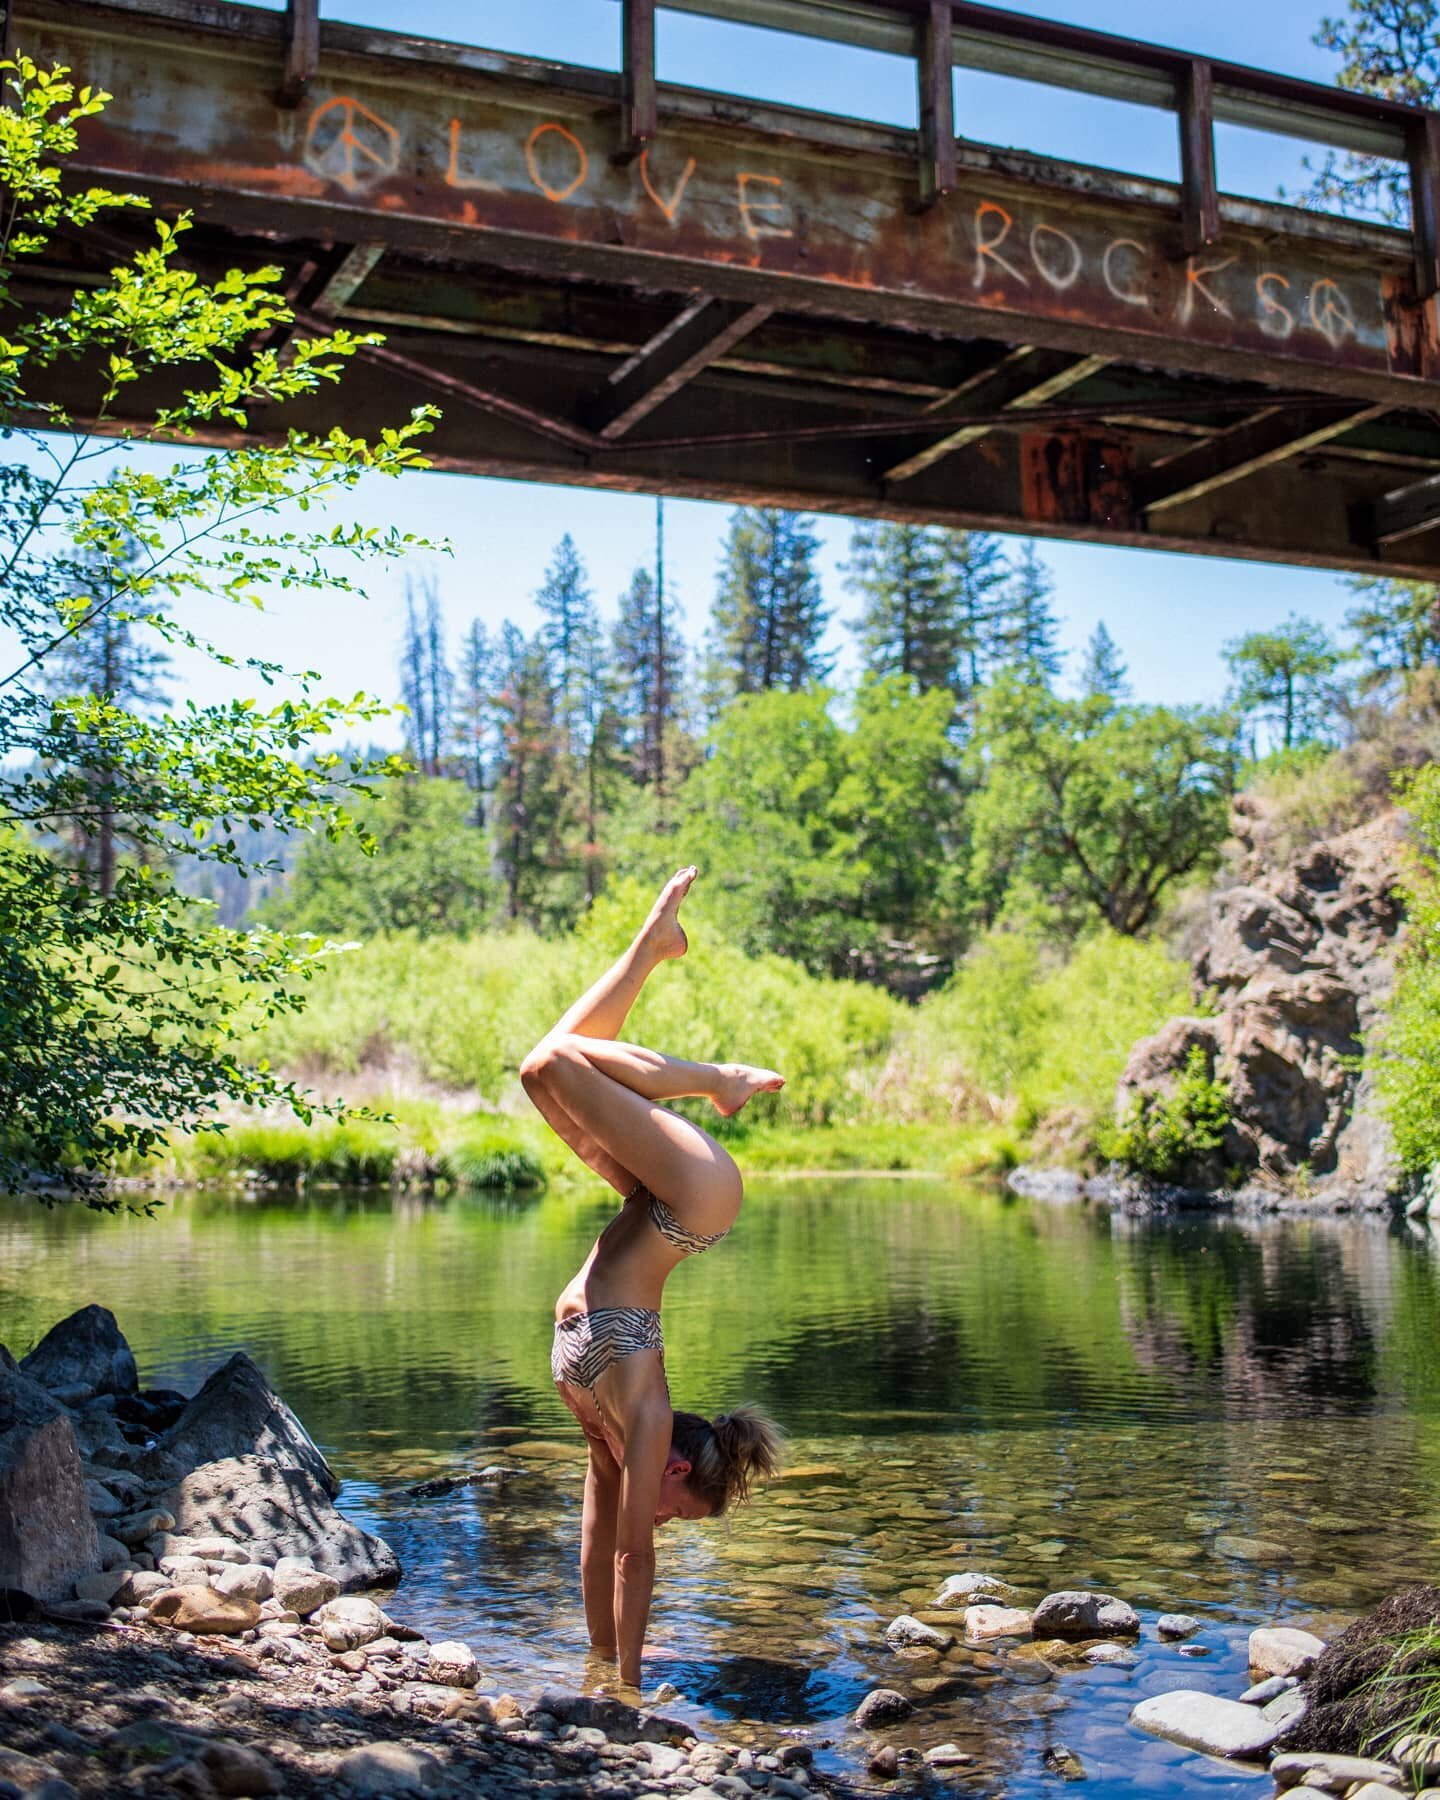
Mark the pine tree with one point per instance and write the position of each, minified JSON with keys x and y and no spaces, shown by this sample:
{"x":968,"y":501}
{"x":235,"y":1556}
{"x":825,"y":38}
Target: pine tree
{"x":975,"y":572}
{"x":570,"y":632}
{"x":475,"y":718}
{"x":115,"y":657}
{"x":649,"y":659}
{"x":426,"y":682}
{"x":1027,"y":629}
{"x":1397,"y":630}
{"x":909,"y":625}
{"x":529,"y":793}
{"x":1103,"y":674}
{"x":769,"y":614}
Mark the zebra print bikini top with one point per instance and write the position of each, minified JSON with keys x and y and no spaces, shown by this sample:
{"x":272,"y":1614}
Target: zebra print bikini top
{"x":688,"y":1243}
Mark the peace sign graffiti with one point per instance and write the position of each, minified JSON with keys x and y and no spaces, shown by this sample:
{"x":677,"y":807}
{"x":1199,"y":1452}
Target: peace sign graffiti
{"x":348,"y":143}
{"x":1331,"y":313}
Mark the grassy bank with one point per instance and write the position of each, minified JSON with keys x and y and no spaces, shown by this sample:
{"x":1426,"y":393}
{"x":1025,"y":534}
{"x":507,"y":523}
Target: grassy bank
{"x":1020,"y":1051}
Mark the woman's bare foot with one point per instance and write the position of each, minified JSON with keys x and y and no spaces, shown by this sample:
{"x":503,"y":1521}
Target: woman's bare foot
{"x":663,"y":931}
{"x":741,"y":1083}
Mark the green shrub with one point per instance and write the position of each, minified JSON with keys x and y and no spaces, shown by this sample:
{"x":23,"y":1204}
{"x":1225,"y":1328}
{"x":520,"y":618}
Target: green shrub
{"x":1166,"y":1135}
{"x":1405,"y":1051}
{"x":489,"y":1154}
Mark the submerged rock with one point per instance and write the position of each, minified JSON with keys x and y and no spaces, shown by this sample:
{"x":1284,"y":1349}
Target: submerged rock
{"x":908,"y":1633}
{"x":971,"y":1588}
{"x":882,"y":1706}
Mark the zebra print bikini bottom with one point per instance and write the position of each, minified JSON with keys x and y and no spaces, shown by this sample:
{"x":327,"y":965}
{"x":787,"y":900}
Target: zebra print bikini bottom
{"x":587,"y":1344}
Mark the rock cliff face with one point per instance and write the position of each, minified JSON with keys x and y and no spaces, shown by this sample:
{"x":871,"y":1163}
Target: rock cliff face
{"x":1298,"y":965}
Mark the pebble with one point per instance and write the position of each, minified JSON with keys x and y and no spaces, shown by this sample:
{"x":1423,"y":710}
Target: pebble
{"x":1063,"y":1762}
{"x":113,"y":1554}
{"x":24,"y":1687}
{"x":301,"y":1588}
{"x":882,"y":1706}
{"x":1078,"y":1613}
{"x":246,"y":1581}
{"x":971,"y":1588}
{"x":134,"y":1528}
{"x":948,"y":1756}
{"x":389,"y":1769}
{"x":1333,"y":1774}
{"x":1269,"y":1689}
{"x":1282,"y":1650}
{"x":454,"y":1665}
{"x":982,"y":1622}
{"x":141,"y":1586}
{"x":1176,"y":1625}
{"x":885,"y":1763}
{"x":908,"y":1633}
{"x":201,"y":1610}
{"x":236,"y":1769}
{"x":103,"y":1585}
{"x":1418,"y":1756}
{"x":349,"y":1623}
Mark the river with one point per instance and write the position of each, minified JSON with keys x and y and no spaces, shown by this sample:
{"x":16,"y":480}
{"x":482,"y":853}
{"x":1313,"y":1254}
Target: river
{"x":1236,"y":1420}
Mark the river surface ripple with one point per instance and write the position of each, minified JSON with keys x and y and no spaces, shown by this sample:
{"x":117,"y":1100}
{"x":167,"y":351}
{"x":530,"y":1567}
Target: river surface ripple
{"x":1236,"y":1420}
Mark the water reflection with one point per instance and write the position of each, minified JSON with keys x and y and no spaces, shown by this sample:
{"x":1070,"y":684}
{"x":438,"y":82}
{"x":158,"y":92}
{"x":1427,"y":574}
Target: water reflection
{"x":1240,"y":1420}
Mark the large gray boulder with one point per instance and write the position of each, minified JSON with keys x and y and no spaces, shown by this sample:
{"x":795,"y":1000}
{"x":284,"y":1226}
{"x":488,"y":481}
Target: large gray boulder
{"x":1298,"y":964}
{"x":48,"y":1539}
{"x":271,"y":1511}
{"x":1207,"y":1722}
{"x":84,"y":1354}
{"x":236,"y":1414}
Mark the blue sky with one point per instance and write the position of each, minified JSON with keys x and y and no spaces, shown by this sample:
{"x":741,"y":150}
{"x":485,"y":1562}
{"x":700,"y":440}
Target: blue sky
{"x":1169,"y":614}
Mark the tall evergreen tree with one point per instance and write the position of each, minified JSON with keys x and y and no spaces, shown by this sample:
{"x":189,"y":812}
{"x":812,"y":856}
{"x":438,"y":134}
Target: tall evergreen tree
{"x":1103,"y":674}
{"x":529,"y":794}
{"x":908,"y":625}
{"x":1027,"y":630}
{"x":975,"y":574}
{"x":112,"y":656}
{"x":769,"y":613}
{"x":649,"y":660}
{"x":570,"y":631}
{"x":426,"y":681}
{"x":476,"y":721}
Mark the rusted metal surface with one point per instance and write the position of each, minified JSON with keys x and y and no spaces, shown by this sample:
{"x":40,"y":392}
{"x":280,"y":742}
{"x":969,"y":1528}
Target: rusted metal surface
{"x":651,"y":289}
{"x":524,"y":177}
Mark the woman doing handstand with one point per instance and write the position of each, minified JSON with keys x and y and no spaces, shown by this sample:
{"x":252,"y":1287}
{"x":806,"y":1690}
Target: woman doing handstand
{"x":682,"y":1191}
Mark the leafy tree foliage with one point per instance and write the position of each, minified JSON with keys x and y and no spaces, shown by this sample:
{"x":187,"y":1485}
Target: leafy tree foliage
{"x":769,"y":613}
{"x":422,"y":868}
{"x":1397,"y":631}
{"x":124,"y":1012}
{"x":1283,"y":680}
{"x":1390,"y":48}
{"x":1097,"y":808}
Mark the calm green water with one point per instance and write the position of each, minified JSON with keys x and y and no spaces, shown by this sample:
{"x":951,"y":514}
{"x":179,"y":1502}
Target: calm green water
{"x":1236,"y":1420}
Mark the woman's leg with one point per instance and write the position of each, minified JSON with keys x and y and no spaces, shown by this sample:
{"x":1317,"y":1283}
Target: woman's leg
{"x":599,"y":1013}
{"x":612,"y":1092}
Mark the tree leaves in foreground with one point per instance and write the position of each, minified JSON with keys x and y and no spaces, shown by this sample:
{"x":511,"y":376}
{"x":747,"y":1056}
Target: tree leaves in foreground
{"x":124,"y":1013}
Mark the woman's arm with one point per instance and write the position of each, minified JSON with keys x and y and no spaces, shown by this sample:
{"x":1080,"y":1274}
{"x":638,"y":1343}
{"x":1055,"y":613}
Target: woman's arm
{"x":647,"y":1448}
{"x":597,"y":1544}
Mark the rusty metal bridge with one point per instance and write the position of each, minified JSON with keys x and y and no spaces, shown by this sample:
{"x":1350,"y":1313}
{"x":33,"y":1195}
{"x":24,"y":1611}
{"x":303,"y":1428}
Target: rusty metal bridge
{"x":623,"y":284}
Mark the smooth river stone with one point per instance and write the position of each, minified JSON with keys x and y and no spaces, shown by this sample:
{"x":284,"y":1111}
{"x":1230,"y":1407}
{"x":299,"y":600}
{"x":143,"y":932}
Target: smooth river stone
{"x":983,"y":1622}
{"x":1334,"y":1774}
{"x":1283,"y":1650}
{"x":1206,"y":1722}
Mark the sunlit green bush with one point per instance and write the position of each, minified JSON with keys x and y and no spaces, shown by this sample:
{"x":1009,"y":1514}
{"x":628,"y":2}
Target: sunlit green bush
{"x":1405,"y":1052}
{"x":1169,"y":1135}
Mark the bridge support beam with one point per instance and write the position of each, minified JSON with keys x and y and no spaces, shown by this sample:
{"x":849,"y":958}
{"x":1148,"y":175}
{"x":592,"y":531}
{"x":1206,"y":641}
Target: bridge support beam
{"x":1269,"y":437}
{"x":694,"y":339}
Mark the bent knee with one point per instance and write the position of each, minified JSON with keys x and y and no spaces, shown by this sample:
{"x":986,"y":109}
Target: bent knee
{"x":542,"y":1061}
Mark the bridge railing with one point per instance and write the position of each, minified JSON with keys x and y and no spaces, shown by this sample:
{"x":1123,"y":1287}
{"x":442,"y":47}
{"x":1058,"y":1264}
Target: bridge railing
{"x":942,"y":35}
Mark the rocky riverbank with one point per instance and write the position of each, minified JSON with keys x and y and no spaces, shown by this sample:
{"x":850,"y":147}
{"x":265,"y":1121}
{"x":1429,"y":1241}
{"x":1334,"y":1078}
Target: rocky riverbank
{"x":177,"y":1616}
